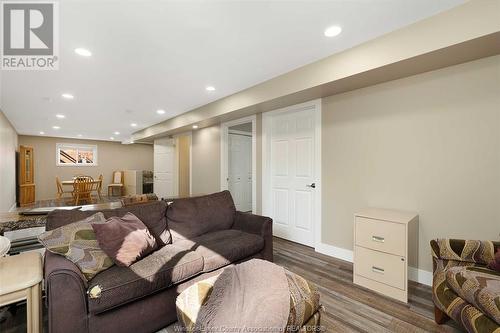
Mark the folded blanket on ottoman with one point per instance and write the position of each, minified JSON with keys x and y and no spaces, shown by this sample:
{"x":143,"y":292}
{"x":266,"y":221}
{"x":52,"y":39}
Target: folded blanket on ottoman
{"x":253,"y":296}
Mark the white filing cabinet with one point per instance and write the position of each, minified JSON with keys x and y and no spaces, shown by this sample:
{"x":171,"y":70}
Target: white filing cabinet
{"x":132,"y":180}
{"x":385,"y":244}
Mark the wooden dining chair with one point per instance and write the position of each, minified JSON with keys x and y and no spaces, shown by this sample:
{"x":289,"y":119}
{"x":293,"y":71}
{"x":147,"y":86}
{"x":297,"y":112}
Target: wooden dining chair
{"x":117,"y":183}
{"x":99,"y":187}
{"x":60,"y":189}
{"x":83,"y":177}
{"x":82,"y":189}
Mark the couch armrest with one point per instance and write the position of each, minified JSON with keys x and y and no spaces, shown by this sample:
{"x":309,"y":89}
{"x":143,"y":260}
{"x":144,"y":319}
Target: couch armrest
{"x":66,"y":290}
{"x":259,"y":225}
{"x":471,"y":251}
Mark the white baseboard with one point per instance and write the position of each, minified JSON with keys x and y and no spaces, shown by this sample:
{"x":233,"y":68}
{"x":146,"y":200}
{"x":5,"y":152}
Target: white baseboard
{"x":333,"y":251}
{"x":414,"y":274}
{"x":420,"y":276}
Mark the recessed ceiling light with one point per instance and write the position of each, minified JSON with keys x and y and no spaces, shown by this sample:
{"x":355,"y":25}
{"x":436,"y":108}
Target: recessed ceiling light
{"x":60,"y":116}
{"x":333,"y":31}
{"x":210,"y":88}
{"x":68,"y":96}
{"x":160,"y":111}
{"x":195,"y":126}
{"x":56,"y":127}
{"x":79,"y":135}
{"x":133,"y":125}
{"x":42,"y":132}
{"x":111,"y":138}
{"x":83,"y":52}
{"x":116,"y":133}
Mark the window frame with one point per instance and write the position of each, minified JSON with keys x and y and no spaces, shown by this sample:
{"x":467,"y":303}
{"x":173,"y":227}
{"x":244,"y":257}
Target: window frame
{"x":76,"y":147}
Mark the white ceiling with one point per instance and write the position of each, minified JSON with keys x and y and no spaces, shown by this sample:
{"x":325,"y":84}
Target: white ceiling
{"x":150,"y":55}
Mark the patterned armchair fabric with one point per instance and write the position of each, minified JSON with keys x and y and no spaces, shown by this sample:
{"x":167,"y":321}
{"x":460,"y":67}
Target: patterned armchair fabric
{"x":463,"y":287}
{"x":473,"y":251}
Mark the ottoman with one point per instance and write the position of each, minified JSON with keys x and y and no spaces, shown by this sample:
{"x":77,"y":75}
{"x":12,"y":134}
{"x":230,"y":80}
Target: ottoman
{"x":304,"y":315}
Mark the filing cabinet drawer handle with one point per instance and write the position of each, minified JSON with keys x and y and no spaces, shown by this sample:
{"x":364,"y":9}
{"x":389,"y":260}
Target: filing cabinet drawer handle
{"x":378,"y":239}
{"x":378,"y":270}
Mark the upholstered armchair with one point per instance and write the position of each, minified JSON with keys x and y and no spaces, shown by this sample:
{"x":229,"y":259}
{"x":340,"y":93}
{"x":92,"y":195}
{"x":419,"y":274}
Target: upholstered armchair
{"x":463,"y":288}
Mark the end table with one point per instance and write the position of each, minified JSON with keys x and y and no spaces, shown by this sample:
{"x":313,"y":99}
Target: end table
{"x":21,"y":279}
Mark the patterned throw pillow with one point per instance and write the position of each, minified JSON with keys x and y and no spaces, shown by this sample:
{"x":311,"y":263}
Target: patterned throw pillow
{"x":78,"y":243}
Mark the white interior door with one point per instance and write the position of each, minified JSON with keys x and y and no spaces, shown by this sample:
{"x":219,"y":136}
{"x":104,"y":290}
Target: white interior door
{"x":165,"y":183}
{"x":291,"y":193}
{"x":248,"y":195}
{"x":240,"y":170}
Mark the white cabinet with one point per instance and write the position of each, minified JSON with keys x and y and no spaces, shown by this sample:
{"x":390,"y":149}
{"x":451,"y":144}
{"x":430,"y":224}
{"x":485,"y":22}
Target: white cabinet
{"x":385,"y":243}
{"x":132,"y":180}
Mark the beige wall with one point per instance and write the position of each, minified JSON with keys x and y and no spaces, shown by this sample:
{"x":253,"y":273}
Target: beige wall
{"x":8,"y":148}
{"x":206,"y":160}
{"x":428,"y":143}
{"x":111,"y":156}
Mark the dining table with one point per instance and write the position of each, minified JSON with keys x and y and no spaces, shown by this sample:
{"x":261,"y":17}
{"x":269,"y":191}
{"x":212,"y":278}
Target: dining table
{"x":96,"y":185}
{"x":72,"y":182}
{"x":68,"y":182}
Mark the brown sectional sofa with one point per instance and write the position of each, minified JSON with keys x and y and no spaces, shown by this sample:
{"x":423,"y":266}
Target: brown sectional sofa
{"x":199,"y":237}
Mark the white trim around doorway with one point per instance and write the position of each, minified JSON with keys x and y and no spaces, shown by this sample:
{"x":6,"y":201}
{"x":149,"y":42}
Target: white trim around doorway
{"x":190,"y":135}
{"x":266,"y":158}
{"x":224,"y":128}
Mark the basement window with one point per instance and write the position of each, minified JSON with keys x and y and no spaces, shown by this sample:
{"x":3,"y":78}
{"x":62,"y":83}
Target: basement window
{"x":68,"y":154}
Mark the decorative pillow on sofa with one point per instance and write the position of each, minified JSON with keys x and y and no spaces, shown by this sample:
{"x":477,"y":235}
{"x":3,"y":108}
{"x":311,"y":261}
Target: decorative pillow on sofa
{"x":78,"y":243}
{"x":59,"y":239}
{"x":495,"y":263}
{"x":124,"y":239}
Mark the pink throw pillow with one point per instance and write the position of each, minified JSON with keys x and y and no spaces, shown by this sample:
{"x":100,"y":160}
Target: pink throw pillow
{"x":125,"y":239}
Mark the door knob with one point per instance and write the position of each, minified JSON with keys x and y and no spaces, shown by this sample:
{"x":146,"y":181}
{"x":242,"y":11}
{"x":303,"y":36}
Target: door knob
{"x":312,"y":185}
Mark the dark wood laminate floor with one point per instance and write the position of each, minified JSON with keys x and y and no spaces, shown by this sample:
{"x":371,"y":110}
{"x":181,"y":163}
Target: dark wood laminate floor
{"x":350,"y":308}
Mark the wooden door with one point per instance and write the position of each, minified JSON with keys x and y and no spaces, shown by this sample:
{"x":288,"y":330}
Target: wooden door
{"x":26,"y":176}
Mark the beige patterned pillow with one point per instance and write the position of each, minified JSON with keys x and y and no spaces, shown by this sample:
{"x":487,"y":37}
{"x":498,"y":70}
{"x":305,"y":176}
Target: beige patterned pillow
{"x":77,"y":242}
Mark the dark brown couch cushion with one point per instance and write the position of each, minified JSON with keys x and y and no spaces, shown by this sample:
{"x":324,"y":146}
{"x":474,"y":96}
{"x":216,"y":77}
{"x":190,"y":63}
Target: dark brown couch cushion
{"x":192,"y":217}
{"x":124,"y":239}
{"x":163,"y":268}
{"x":221,"y":248}
{"x":153,"y":215}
